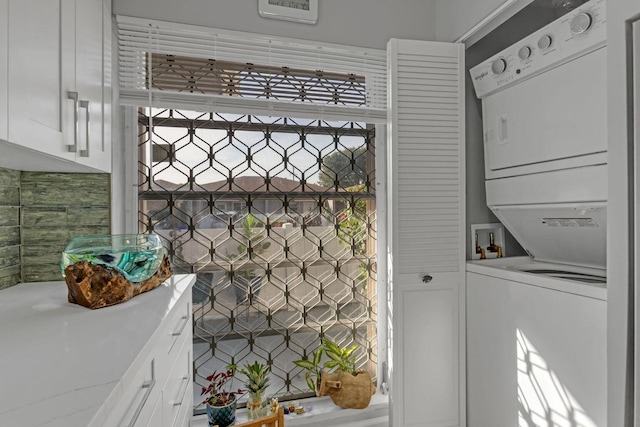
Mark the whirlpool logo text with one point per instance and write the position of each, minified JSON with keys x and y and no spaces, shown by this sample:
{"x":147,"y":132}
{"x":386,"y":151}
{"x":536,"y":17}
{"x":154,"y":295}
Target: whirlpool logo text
{"x":481,"y":75}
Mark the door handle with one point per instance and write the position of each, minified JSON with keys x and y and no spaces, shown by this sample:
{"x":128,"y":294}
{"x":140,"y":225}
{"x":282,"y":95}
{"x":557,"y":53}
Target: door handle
{"x":72,"y":148}
{"x":503,"y":129}
{"x":427,"y":278}
{"x":85,"y":105}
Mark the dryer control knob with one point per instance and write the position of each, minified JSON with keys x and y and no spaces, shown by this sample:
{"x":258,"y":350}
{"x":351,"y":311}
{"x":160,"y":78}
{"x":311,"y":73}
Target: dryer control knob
{"x":524,"y":52}
{"x":498,"y":66}
{"x":545,"y":42}
{"x":581,"y":23}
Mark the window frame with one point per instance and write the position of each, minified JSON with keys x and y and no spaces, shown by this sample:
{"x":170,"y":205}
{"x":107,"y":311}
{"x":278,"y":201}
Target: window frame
{"x":130,"y":200}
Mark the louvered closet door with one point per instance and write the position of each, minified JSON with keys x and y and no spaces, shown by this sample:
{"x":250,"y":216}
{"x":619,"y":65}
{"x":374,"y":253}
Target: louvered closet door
{"x":426,"y":232}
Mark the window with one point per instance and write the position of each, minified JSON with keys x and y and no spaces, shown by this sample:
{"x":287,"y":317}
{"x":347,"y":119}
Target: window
{"x":257,"y":167}
{"x":277,"y":217}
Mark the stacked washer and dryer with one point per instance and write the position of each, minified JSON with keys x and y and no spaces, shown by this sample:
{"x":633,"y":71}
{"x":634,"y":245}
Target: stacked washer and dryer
{"x":536,"y":325}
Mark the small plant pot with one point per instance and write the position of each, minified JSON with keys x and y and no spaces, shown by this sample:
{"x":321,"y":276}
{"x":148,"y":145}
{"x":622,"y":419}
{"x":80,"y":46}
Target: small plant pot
{"x":222,"y":416}
{"x":347,"y":390}
{"x":255,"y":409}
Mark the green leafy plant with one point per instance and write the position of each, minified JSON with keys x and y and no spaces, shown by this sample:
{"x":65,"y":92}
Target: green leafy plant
{"x":313,"y":367}
{"x":219,"y":391}
{"x":257,"y":376}
{"x":252,"y":242}
{"x":352,"y":229}
{"x":340,"y":358}
{"x":251,"y":239}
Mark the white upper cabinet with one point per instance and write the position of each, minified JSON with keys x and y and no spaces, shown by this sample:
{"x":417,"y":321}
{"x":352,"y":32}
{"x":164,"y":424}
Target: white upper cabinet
{"x":457,"y":17}
{"x":93,"y":150}
{"x":56,"y":83}
{"x":426,"y":233}
{"x":41,"y":52}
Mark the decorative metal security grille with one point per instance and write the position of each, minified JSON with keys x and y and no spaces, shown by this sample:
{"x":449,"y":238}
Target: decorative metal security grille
{"x":277,"y":218}
{"x":211,"y":76}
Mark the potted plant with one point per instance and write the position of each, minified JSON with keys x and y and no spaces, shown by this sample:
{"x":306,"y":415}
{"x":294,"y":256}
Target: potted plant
{"x":347,"y":386}
{"x":313,"y":368}
{"x":252,"y":243}
{"x":257,"y":381}
{"x":221,"y":399}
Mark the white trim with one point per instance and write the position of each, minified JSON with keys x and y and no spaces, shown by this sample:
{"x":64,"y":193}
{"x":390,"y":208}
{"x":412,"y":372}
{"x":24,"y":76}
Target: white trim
{"x":381,"y":252}
{"x":635,"y":207}
{"x":490,"y":22}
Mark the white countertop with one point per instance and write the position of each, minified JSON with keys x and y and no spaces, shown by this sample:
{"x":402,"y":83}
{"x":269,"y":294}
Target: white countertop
{"x":44,"y":340}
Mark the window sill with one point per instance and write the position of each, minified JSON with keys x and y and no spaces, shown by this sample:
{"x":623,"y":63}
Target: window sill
{"x":324,"y":413}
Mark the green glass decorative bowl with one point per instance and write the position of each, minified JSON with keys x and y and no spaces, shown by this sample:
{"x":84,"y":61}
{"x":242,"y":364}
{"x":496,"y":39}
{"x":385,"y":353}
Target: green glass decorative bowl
{"x":136,"y":256}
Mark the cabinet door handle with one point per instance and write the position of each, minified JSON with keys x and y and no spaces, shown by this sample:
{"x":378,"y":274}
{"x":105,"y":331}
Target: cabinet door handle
{"x":147,"y":386}
{"x":185,"y":380}
{"x":74,"y":97}
{"x":85,"y":104}
{"x":185,"y":320}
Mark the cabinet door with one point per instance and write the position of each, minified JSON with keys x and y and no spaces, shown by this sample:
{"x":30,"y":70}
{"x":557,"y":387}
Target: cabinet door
{"x":4,"y":55}
{"x":426,"y":233}
{"x":41,"y":53}
{"x":89,"y":71}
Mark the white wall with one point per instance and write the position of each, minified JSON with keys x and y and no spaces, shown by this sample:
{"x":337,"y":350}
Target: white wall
{"x":620,"y":282}
{"x":461,"y":15}
{"x":366,"y":23}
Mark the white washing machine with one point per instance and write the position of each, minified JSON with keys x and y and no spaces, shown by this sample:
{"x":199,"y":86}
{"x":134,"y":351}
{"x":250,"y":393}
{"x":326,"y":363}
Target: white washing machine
{"x":545,"y":138}
{"x":536,"y":325}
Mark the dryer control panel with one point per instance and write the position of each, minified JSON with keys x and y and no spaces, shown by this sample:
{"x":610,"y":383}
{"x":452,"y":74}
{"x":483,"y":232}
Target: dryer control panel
{"x":578,"y":32}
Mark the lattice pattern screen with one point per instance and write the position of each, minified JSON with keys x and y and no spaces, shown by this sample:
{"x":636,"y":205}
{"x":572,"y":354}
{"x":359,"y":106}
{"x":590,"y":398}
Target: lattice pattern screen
{"x":277,"y":218}
{"x":211,"y":76}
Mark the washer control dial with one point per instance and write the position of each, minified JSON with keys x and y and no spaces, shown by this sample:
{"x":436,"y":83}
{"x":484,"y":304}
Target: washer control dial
{"x":545,"y":41}
{"x":498,"y":66}
{"x":524,"y":52}
{"x":581,"y":23}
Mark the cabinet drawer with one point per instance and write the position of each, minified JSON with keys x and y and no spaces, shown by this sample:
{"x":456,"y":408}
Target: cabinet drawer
{"x":174,"y":331}
{"x":185,"y":414}
{"x":179,"y":325}
{"x":178,"y":391}
{"x":139,"y":397}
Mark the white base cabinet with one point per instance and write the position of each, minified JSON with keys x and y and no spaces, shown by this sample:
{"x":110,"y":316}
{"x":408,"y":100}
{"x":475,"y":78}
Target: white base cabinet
{"x":55,"y":88}
{"x":125,"y":365}
{"x":535,"y":356}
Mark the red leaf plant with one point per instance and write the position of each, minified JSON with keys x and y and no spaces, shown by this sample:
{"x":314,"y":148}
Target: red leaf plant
{"x":220,"y":389}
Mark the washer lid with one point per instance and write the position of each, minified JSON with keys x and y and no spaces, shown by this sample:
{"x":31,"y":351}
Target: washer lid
{"x":573,"y":234}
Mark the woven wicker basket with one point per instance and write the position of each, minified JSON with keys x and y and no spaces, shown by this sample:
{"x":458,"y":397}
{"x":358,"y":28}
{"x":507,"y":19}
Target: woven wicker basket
{"x":347,"y":390}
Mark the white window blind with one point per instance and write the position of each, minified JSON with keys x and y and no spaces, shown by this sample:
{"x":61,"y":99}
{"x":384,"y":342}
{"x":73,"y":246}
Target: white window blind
{"x":170,"y":65}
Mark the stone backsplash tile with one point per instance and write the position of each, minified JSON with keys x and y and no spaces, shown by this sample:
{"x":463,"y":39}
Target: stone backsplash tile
{"x":9,"y":236}
{"x":55,"y":208}
{"x":59,"y":189}
{"x":9,"y":256}
{"x":9,"y":216}
{"x":36,"y":216}
{"x":39,"y":213}
{"x":10,"y":263}
{"x":10,"y":276}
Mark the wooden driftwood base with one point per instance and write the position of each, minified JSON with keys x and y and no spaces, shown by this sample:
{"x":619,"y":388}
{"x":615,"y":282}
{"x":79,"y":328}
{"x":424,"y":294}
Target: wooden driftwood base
{"x":97,"y":286}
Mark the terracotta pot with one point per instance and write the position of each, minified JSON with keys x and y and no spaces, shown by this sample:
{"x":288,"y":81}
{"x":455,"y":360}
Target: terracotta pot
{"x":347,"y":390}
